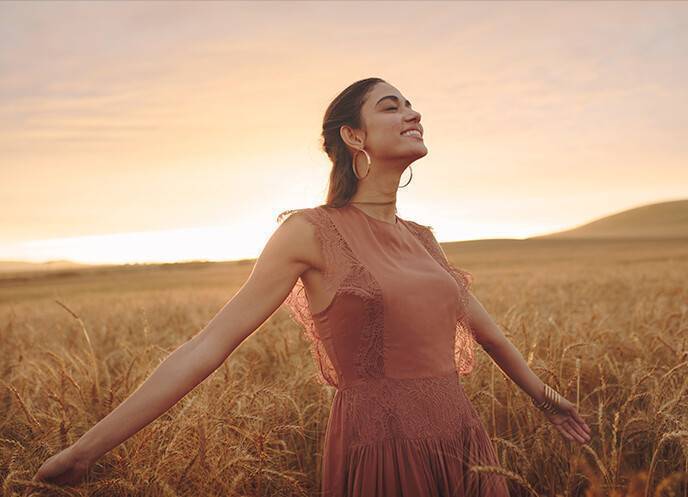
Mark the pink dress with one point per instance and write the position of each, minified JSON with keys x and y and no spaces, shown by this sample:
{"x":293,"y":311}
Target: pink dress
{"x":393,"y":342}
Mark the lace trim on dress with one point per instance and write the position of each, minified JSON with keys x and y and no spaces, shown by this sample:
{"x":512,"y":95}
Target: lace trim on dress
{"x":464,"y":342}
{"x":407,"y":408}
{"x":344,"y":273}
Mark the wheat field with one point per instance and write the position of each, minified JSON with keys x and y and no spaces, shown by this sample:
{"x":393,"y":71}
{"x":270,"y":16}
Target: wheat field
{"x":604,"y":322}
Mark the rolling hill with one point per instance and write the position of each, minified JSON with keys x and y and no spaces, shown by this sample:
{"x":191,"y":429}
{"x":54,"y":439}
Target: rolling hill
{"x":660,"y":220}
{"x":21,"y":266}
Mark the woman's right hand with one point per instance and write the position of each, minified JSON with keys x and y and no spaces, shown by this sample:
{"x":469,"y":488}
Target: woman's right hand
{"x":64,"y":468}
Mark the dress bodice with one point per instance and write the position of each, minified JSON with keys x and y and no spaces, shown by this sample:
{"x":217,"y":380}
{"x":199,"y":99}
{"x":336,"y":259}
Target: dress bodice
{"x":399,"y":305}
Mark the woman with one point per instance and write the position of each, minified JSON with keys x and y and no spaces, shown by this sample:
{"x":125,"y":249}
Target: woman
{"x":392,"y":325}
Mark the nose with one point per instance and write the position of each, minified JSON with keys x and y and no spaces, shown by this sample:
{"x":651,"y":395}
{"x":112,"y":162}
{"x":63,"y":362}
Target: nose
{"x":414,"y":115}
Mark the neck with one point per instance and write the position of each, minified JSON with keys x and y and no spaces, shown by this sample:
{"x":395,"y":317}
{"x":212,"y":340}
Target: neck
{"x":377,"y":192}
{"x":385,"y":211}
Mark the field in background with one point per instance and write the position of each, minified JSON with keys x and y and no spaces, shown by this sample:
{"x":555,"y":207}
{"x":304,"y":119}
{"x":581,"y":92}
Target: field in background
{"x":604,"y":322}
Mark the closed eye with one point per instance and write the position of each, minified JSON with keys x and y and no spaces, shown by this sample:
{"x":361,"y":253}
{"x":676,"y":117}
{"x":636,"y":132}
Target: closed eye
{"x":391,"y":108}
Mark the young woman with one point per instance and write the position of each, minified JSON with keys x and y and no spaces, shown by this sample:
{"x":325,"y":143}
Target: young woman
{"x":392,"y":325}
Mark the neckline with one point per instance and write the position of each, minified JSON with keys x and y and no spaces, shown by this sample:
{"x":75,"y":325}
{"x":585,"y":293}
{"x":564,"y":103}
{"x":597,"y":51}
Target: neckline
{"x":396,"y":223}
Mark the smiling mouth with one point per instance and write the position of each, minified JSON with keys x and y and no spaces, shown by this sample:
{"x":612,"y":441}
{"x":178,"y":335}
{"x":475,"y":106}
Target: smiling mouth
{"x":413,"y":133}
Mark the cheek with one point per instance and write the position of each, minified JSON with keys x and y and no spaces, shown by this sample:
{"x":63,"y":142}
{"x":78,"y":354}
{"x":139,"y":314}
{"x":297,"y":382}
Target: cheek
{"x":386,"y":140}
{"x":387,"y":130}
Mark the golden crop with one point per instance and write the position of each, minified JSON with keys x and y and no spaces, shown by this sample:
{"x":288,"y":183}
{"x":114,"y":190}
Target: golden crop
{"x":604,"y":322}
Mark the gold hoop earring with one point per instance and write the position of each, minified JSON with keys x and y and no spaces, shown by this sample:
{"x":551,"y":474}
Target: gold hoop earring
{"x":408,"y":180}
{"x":353,"y":163}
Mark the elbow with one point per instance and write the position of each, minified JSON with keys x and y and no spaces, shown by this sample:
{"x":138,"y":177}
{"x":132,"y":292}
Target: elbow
{"x":222,"y":335}
{"x":488,"y":346}
{"x":485,"y":330}
{"x":484,"y":343}
{"x":201,"y":359}
{"x":212,"y":349}
{"x":489,"y":338}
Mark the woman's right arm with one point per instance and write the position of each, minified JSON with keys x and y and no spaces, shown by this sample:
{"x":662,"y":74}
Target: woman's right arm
{"x":290,"y":250}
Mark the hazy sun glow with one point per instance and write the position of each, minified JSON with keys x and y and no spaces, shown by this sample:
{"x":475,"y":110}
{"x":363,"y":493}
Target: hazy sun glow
{"x":134,"y":132}
{"x":209,"y":243}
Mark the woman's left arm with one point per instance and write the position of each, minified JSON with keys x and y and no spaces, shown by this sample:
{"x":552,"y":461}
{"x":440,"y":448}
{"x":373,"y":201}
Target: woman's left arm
{"x":490,"y":337}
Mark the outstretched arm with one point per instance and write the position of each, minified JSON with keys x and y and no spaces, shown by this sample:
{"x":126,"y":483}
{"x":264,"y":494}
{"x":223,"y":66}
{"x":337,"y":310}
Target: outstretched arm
{"x":510,"y":360}
{"x":284,"y":258}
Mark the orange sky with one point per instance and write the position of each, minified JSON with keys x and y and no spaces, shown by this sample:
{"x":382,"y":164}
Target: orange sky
{"x":133,"y":131}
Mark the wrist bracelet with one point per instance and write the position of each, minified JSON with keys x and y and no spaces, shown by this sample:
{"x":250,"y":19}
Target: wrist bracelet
{"x":552,"y":401}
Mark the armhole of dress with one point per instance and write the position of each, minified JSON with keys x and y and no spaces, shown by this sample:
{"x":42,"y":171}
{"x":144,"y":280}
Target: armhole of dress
{"x":463,"y":277}
{"x":464,"y":339}
{"x":297,"y":302}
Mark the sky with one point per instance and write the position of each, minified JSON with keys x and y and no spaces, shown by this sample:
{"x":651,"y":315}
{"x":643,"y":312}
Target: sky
{"x":162,"y":132}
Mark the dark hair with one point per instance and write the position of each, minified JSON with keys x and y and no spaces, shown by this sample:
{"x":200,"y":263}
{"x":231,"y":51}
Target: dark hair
{"x":345,"y":109}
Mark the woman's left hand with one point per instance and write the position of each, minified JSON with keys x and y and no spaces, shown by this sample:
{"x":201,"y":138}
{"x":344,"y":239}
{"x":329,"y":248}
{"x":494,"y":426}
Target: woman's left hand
{"x":569,"y":422}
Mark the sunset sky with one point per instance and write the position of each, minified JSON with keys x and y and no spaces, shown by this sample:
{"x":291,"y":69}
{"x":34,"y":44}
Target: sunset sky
{"x":140,"y":132}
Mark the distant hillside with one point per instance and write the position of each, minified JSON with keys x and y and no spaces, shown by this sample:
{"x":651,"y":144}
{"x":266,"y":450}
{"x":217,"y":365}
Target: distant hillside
{"x":661,"y":220}
{"x":19,"y":266}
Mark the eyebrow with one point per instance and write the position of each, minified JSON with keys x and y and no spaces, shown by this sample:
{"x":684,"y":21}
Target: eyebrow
{"x":393,"y":97}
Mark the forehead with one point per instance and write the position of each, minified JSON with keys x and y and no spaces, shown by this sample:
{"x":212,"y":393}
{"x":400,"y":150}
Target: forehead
{"x":382,"y":90}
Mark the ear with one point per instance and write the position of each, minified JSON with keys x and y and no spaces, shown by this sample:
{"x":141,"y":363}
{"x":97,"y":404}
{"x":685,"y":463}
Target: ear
{"x":349,"y":136}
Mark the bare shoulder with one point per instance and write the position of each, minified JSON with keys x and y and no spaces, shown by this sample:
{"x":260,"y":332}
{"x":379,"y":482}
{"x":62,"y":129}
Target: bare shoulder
{"x":298,"y":237}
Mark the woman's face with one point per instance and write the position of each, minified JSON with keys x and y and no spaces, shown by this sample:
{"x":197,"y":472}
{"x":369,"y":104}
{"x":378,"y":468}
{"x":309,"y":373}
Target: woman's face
{"x":386,"y":114}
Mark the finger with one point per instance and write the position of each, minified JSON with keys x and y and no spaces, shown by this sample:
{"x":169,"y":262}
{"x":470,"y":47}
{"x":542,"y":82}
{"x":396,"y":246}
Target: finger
{"x":566,"y":428}
{"x":580,"y":432}
{"x":574,"y":430}
{"x":584,"y":433}
{"x":570,"y":428}
{"x":564,"y":432}
{"x":581,"y":421}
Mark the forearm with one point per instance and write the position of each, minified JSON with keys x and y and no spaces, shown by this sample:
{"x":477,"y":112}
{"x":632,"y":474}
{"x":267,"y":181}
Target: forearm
{"x":499,"y":347}
{"x":177,"y":375}
{"x":511,"y":361}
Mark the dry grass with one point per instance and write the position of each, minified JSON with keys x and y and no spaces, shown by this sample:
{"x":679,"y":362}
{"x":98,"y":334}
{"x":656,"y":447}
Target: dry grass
{"x":606,"y":323}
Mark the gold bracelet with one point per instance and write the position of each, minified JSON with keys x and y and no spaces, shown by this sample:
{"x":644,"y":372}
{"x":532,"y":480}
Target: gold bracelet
{"x":552,"y":401}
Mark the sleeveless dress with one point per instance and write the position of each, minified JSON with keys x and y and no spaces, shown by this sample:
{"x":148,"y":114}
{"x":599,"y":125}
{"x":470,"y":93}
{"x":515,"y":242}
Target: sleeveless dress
{"x":393,"y":342}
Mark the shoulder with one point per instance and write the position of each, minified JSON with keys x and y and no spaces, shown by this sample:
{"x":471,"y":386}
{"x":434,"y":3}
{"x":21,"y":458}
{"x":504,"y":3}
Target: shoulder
{"x":426,"y":235}
{"x":301,"y":231}
{"x":424,"y":231}
{"x":300,"y":223}
{"x":316,"y":221}
{"x":313,"y":216}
